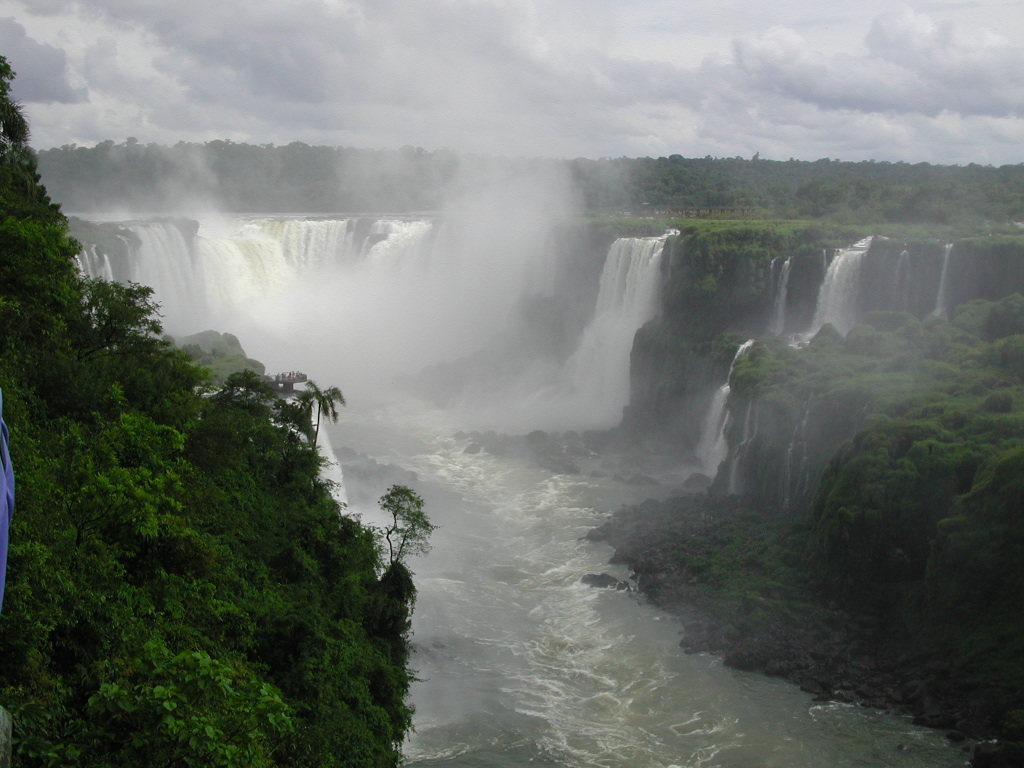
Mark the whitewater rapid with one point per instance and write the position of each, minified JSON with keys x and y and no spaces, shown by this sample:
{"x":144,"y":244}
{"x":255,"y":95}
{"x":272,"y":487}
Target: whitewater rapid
{"x":519,"y":663}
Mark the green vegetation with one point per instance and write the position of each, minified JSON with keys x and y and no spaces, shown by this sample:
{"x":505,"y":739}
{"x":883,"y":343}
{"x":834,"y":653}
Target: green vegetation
{"x":220,"y":353}
{"x":182,"y":588}
{"x":910,"y":503}
{"x":302,"y":178}
{"x":878,"y":473}
{"x":323,"y":400}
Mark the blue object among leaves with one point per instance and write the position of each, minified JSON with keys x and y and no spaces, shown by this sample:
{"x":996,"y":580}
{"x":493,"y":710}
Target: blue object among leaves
{"x":6,"y":498}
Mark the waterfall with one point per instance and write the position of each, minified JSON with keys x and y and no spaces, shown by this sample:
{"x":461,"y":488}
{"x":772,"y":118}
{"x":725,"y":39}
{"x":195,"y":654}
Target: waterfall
{"x":837,"y":297}
{"x":901,"y":293}
{"x":749,"y":434}
{"x":778,"y":323}
{"x":714,"y":446}
{"x":93,"y":264}
{"x":941,"y":297}
{"x":242,"y":267}
{"x":798,"y":441}
{"x":228,"y":268}
{"x":164,"y":261}
{"x":597,"y":373}
{"x":331,"y":471}
{"x":308,"y":243}
{"x":400,"y":247}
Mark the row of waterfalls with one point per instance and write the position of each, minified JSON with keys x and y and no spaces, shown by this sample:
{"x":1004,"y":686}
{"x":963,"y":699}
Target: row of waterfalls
{"x":434,"y":291}
{"x":444,"y":290}
{"x":840,"y":304}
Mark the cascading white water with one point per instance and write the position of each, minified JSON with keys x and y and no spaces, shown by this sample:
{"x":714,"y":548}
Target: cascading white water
{"x":228,"y":269}
{"x":713,"y":446}
{"x":95,"y":265}
{"x":308,"y":243}
{"x":403,"y":251}
{"x":597,"y":373}
{"x":941,"y":297}
{"x":748,"y":437}
{"x":837,"y":297}
{"x":241,"y":268}
{"x":164,"y":261}
{"x":778,"y":323}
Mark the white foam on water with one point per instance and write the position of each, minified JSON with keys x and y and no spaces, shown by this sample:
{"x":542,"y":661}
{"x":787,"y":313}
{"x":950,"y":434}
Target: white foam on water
{"x":520,"y":662}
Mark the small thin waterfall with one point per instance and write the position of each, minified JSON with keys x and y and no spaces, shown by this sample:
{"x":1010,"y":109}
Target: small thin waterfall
{"x":837,"y":297}
{"x":714,"y":446}
{"x":93,"y":264}
{"x":778,"y":323}
{"x":941,"y":297}
{"x":797,"y":444}
{"x":901,"y":295}
{"x":749,"y":435}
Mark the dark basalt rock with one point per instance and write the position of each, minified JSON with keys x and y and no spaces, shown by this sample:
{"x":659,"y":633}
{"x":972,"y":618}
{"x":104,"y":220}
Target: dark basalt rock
{"x":604,"y":581}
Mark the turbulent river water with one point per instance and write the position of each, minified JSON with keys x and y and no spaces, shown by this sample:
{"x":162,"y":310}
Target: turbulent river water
{"x":521,"y":664}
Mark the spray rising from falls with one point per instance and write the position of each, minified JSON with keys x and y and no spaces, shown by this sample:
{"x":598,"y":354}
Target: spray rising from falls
{"x":837,"y":298}
{"x":372,"y":300}
{"x":714,"y":447}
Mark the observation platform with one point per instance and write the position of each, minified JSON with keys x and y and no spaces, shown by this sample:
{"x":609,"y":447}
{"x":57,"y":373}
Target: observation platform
{"x":284,"y":383}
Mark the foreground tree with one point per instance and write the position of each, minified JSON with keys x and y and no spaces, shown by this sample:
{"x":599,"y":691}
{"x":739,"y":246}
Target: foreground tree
{"x":182,"y":589}
{"x":409,"y":531}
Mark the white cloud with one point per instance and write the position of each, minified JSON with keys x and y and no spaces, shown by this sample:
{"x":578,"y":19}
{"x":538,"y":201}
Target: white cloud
{"x":533,"y":77}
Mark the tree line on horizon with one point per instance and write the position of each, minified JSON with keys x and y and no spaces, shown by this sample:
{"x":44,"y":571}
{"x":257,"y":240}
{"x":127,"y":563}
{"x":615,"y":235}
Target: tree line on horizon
{"x":300,"y":178}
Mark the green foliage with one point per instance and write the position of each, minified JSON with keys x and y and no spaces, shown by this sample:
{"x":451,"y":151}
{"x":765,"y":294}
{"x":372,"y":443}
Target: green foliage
{"x":323,"y":400}
{"x":221,"y":353}
{"x":182,"y":588}
{"x":299,"y":177}
{"x":894,"y":450}
{"x":408,"y":534}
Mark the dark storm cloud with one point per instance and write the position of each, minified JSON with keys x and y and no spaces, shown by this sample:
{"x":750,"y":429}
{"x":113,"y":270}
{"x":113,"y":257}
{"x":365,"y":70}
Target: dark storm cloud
{"x":42,"y":69}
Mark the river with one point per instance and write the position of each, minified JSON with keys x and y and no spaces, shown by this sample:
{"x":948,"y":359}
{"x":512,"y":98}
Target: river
{"x":518,"y":663}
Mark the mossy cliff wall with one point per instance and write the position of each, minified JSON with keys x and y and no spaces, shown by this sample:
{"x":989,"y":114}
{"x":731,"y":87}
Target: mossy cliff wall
{"x":721,"y":286}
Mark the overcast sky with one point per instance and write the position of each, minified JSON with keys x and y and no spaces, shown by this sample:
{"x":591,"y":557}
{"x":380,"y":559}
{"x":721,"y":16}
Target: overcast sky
{"x":929,"y":80}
